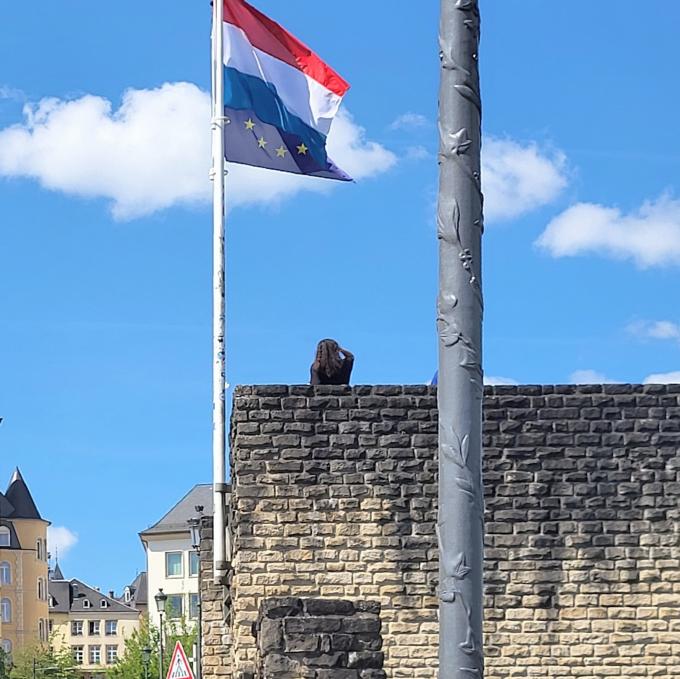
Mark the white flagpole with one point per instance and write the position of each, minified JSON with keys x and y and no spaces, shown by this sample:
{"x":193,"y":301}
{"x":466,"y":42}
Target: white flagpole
{"x":219,"y":289}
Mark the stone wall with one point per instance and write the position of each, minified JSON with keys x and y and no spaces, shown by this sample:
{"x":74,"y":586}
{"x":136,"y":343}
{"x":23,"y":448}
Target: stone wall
{"x":334,"y":496}
{"x":216,"y":646}
{"x":318,"y":639}
{"x":583,"y":527}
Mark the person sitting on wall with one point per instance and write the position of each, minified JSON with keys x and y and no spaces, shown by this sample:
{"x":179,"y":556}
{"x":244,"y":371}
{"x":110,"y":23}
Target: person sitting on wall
{"x":332,"y":365}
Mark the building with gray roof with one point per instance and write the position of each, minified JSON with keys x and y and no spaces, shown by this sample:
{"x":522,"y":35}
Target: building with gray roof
{"x":89,"y":623}
{"x":172,"y":562}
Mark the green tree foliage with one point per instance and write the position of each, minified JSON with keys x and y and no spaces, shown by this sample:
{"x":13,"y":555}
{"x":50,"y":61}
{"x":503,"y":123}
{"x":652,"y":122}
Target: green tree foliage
{"x":4,"y":665}
{"x":130,"y":664}
{"x":43,"y":662}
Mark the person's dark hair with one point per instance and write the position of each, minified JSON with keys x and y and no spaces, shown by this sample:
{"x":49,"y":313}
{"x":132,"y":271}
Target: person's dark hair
{"x":332,"y":364}
{"x":328,"y":358}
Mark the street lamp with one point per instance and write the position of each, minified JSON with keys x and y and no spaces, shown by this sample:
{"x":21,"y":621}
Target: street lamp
{"x":146,"y":658}
{"x":195,"y":530}
{"x":161,"y":599}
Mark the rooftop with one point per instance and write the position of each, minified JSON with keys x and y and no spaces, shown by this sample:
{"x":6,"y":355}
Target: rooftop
{"x":137,"y":591}
{"x":17,"y":502}
{"x":67,"y":596}
{"x":175,"y":521}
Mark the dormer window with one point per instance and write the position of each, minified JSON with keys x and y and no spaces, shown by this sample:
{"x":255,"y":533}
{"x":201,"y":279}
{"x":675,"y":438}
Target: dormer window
{"x":103,"y":603}
{"x":127,"y":596}
{"x":86,"y":603}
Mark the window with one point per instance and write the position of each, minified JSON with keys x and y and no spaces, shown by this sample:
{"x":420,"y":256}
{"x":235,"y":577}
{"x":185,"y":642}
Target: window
{"x":7,"y":646}
{"x":95,"y":655}
{"x":194,"y":563}
{"x":173,"y":564}
{"x":50,"y":623}
{"x":41,"y":630}
{"x":5,"y":573}
{"x":103,"y":603}
{"x":76,"y":628}
{"x":77,"y":652}
{"x":5,"y":610}
{"x":40,"y":589}
{"x":127,"y":595}
{"x":86,"y":603}
{"x":111,"y":654}
{"x":4,"y":536}
{"x":93,"y":628}
{"x":111,"y":627}
{"x":174,"y":606}
{"x":193,"y":606}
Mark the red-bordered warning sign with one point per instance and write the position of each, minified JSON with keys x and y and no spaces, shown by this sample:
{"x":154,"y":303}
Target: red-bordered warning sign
{"x":179,"y":665}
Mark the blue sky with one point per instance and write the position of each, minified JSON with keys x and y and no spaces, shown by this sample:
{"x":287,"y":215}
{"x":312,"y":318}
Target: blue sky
{"x":105,"y":258}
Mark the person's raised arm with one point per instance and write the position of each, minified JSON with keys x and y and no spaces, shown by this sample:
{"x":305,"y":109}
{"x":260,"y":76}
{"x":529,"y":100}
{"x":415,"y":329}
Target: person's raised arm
{"x":349,"y":356}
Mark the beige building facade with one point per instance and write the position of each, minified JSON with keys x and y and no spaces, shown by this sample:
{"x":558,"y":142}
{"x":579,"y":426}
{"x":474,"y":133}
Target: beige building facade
{"x":92,"y":625}
{"x":23,"y":569}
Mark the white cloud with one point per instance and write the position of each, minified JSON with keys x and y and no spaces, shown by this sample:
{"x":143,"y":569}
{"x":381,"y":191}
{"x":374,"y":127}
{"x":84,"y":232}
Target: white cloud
{"x":650,"y":236}
{"x":590,"y":377}
{"x":153,"y":152}
{"x":348,"y":147}
{"x":7,"y":92}
{"x":518,"y":178}
{"x":60,"y":540}
{"x":500,"y":381}
{"x":417,"y":153}
{"x":661,"y":330}
{"x":664,"y":378}
{"x":409,"y":121}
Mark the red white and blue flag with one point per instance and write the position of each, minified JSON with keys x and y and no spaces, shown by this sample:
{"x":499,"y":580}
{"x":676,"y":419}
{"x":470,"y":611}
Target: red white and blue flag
{"x":279,"y":97}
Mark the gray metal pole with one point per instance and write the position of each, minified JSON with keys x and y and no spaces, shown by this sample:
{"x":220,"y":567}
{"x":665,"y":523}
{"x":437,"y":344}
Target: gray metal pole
{"x":459,"y":322}
{"x":160,"y":644}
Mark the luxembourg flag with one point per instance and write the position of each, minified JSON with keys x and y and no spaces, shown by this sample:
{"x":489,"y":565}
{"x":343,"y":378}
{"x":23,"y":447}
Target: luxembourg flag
{"x":279,"y":97}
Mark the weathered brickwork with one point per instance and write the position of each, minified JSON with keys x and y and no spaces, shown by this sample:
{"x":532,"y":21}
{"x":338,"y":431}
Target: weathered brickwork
{"x":216,"y":647}
{"x":583,"y":531}
{"x":318,"y":639}
{"x":334,"y":496}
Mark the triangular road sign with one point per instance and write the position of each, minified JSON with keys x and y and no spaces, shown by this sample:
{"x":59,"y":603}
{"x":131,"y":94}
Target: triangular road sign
{"x":179,"y":665}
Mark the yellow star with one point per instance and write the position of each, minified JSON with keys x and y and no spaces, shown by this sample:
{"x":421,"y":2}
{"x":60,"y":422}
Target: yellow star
{"x":261,"y":142}
{"x":302,"y":149}
{"x":281,"y":151}
{"x":249,"y":124}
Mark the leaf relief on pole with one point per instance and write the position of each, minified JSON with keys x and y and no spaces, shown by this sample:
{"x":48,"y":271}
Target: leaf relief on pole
{"x":460,"y":305}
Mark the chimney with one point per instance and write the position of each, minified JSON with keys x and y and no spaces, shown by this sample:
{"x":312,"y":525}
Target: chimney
{"x":111,"y":594}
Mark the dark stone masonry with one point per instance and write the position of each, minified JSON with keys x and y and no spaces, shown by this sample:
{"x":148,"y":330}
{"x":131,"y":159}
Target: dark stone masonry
{"x":334,"y":497}
{"x":319,"y":639}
